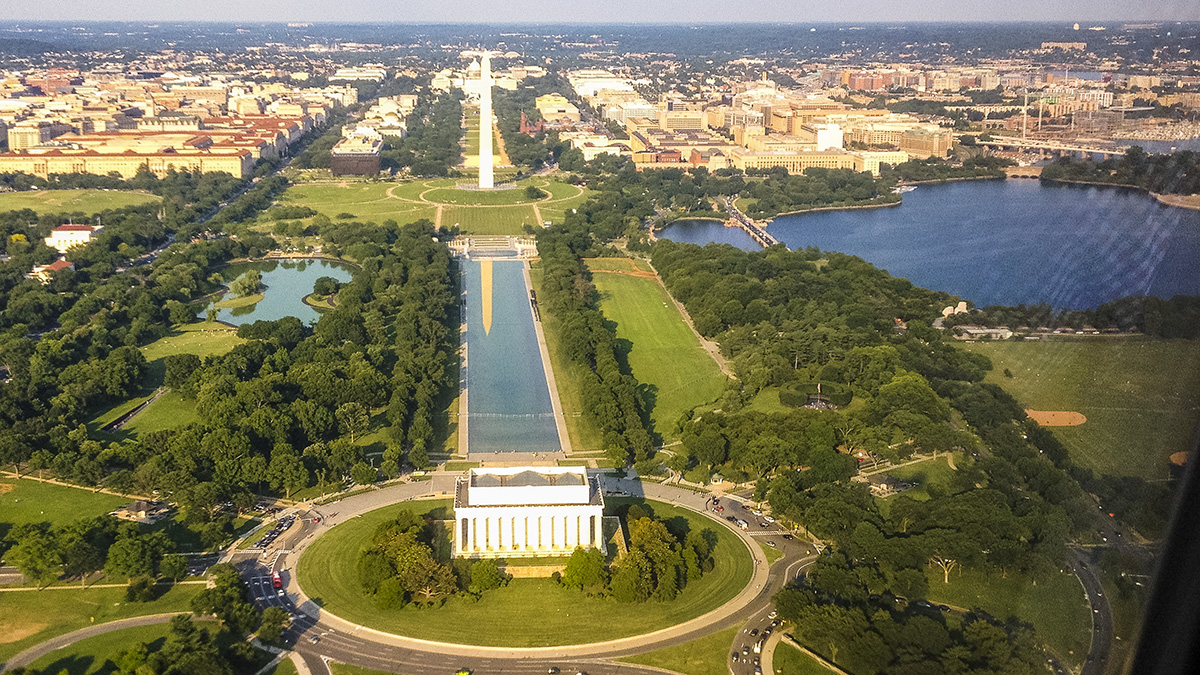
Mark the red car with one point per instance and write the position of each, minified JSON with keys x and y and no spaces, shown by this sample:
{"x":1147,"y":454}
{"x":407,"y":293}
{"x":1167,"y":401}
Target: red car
{"x":276,"y":580}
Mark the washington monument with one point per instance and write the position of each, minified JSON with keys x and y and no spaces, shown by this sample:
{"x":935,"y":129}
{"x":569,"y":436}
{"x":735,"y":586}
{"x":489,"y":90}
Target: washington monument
{"x":486,"y":177}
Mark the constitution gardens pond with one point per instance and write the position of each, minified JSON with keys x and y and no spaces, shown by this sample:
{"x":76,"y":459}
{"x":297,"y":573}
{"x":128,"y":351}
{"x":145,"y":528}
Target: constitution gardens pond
{"x":1005,"y":242}
{"x":526,"y":612}
{"x":286,"y":284}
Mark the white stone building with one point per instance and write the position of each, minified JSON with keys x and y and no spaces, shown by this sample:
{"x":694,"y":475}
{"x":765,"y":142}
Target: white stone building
{"x":527,"y":511}
{"x":64,"y":237}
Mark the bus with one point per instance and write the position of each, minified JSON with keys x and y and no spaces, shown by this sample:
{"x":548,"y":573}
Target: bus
{"x":276,"y":580}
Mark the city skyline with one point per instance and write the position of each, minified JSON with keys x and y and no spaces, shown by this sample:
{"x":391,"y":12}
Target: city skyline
{"x":554,"y":11}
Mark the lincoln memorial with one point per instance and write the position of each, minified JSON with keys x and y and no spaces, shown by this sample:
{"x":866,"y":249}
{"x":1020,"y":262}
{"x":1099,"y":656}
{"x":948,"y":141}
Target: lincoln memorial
{"x":527,"y":511}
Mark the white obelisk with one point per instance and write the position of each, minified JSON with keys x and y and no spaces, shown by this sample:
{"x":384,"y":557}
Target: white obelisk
{"x":486,"y":179}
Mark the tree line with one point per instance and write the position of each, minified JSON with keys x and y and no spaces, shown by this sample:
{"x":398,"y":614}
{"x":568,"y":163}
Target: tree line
{"x":430,"y":146}
{"x":610,"y":396}
{"x":1176,"y":173}
{"x":403,"y":565}
{"x":659,"y":564}
{"x":1170,"y":318}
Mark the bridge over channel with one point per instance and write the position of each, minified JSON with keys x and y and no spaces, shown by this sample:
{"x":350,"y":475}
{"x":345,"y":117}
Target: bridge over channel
{"x":1054,"y":147}
{"x":757,"y":232}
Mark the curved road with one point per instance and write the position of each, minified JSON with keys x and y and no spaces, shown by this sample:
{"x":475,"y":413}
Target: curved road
{"x":317,"y":636}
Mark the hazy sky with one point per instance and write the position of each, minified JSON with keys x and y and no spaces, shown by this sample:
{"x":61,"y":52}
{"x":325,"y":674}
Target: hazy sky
{"x":528,"y":11}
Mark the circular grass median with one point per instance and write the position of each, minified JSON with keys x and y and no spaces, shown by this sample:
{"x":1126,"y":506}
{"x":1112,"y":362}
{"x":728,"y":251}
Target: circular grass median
{"x":526,"y":612}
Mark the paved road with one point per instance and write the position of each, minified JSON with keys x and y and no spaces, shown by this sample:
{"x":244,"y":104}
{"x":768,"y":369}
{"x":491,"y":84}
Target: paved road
{"x":315,"y":635}
{"x":1102,"y":623}
{"x":39,"y":650}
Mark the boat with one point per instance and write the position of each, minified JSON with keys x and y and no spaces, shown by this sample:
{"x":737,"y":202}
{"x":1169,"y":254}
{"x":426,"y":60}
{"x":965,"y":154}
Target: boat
{"x":904,"y":188}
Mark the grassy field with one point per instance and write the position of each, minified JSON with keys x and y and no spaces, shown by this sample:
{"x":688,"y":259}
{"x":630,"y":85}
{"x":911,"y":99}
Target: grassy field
{"x":527,"y":612}
{"x":73,"y":201}
{"x":1055,"y":607}
{"x":286,"y":667}
{"x":92,"y":656}
{"x":479,"y":197}
{"x":169,"y":410}
{"x":489,"y":220}
{"x":1141,"y":397}
{"x":665,"y":356}
{"x":788,"y":660}
{"x":567,"y":376}
{"x":30,"y":617}
{"x":708,"y":655}
{"x":29,"y":501}
{"x":367,"y":201}
{"x":933,"y":473}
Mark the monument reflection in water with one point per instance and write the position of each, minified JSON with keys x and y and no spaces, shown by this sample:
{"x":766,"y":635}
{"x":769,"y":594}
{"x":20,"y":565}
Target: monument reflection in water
{"x":508,"y":398}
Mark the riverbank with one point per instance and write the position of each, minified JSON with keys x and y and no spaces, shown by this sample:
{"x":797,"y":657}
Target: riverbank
{"x":957,"y":179}
{"x":1181,"y":201}
{"x":850,"y":207}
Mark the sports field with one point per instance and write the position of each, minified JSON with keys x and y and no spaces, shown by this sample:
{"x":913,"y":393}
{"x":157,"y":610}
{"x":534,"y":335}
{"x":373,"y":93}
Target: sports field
{"x":665,"y":356}
{"x":526,"y":612}
{"x":1141,"y":397}
{"x":72,"y":201}
{"x":30,"y":617}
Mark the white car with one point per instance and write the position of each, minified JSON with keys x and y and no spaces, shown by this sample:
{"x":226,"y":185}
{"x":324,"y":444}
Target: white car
{"x":769,"y":519}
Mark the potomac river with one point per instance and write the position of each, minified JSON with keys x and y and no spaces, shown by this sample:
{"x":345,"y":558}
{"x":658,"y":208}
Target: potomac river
{"x":1005,"y":242}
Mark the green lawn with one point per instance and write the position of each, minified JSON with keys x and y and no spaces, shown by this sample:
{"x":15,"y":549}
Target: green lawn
{"x":567,"y":376}
{"x":771,"y":552}
{"x":935,"y":473}
{"x":30,"y":617}
{"x":1055,"y":607}
{"x":708,"y":655}
{"x":287,"y":667}
{"x":479,"y":197}
{"x":92,"y":656}
{"x":665,"y":356}
{"x":788,"y":660}
{"x":491,"y":220}
{"x":1141,"y":397}
{"x":347,"y":669}
{"x":527,"y":612}
{"x":72,"y":201}
{"x":170,"y":410}
{"x":30,"y":501}
{"x":367,"y":201}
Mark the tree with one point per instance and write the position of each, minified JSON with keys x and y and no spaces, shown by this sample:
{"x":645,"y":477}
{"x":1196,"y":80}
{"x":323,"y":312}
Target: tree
{"x":325,"y":286}
{"x":247,"y":284}
{"x":174,"y":567}
{"x":485,"y":576}
{"x":585,"y":570}
{"x":427,"y":577}
{"x":38,"y":556}
{"x":353,"y":419}
{"x":363,"y":473}
{"x":274,"y":621}
{"x":179,"y":369}
{"x":140,"y":589}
